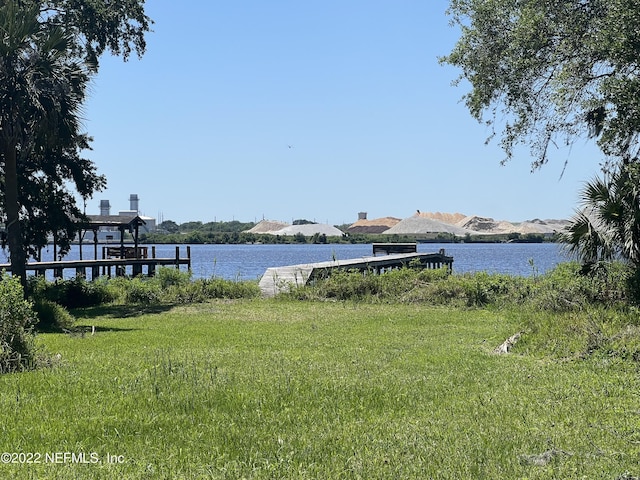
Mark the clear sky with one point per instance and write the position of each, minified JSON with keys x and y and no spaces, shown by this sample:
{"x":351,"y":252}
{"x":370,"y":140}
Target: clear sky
{"x":315,"y":109}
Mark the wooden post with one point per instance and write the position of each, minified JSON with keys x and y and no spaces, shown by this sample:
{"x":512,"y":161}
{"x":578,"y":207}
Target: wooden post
{"x":95,"y":243}
{"x":177,"y":257}
{"x":189,"y":257}
{"x":135,"y":240}
{"x":136,"y":269}
{"x":122,"y":254}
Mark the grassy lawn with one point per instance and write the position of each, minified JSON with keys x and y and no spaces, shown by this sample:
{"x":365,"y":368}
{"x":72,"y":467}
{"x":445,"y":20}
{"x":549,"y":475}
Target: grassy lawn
{"x":283,"y":389}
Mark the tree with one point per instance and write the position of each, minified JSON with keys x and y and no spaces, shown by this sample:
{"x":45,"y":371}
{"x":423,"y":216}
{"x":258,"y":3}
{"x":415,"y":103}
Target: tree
{"x":47,"y":51}
{"x":170,"y":226}
{"x":551,"y":71}
{"x":608,"y":224}
{"x":98,"y":26}
{"x":42,"y":89}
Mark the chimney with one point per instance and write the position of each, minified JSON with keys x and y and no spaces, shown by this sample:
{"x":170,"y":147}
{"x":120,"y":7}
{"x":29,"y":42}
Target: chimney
{"x":105,"y":208}
{"x":362,"y":215}
{"x":133,"y":202}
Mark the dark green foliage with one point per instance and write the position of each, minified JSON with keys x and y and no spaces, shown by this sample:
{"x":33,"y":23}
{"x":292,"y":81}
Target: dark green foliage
{"x":551,"y":72}
{"x":220,"y":288}
{"x":141,"y":291}
{"x":52,"y":317}
{"x":172,"y":286}
{"x":202,"y":290}
{"x":608,"y":225}
{"x":73,"y":293}
{"x":17,"y":318}
{"x":168,"y":277}
{"x":302,"y":221}
{"x":48,"y":51}
{"x":564,"y":288}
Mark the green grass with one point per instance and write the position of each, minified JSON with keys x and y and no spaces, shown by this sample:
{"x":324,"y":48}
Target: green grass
{"x":283,"y":389}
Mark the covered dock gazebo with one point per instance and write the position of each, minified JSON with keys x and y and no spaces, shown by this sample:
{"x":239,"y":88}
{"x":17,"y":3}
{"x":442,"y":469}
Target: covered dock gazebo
{"x":121,"y":223}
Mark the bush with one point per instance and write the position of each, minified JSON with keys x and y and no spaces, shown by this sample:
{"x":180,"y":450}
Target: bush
{"x":564,"y":288}
{"x":17,"y":346}
{"x":51,"y":316}
{"x":220,"y":288}
{"x":73,"y":293}
{"x":140,"y":290}
{"x":168,"y":277}
{"x":567,"y":287}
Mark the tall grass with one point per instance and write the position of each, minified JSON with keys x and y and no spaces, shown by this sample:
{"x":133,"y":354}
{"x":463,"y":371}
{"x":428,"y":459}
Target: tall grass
{"x":561,"y":289}
{"x":168,"y":286}
{"x":282,"y":389}
{"x":358,"y":376}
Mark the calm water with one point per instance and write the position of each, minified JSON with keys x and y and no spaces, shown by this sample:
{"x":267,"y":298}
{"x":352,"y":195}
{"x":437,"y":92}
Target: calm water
{"x":249,"y":262}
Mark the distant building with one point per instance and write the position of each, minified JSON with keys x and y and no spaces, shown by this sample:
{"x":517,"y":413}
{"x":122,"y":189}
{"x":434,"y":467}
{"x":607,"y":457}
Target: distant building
{"x":110,"y":225}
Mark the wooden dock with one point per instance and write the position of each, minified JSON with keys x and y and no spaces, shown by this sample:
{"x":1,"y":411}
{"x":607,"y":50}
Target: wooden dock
{"x":119,"y":266}
{"x":279,"y":279}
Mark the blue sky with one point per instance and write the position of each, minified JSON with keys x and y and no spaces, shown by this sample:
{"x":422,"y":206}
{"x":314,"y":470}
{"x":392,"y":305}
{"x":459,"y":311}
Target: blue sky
{"x":318,"y":109}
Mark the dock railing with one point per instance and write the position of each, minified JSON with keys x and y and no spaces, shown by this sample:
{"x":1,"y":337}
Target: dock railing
{"x":105,"y":266}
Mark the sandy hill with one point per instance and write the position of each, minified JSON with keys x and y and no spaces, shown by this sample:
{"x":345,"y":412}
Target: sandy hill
{"x":309,"y":230}
{"x":490,"y":226}
{"x":451,"y":218}
{"x":268,"y":226}
{"x":484,"y":224}
{"x":460,"y":225}
{"x":419,"y":225}
{"x":377,"y":225}
{"x":281,"y":228}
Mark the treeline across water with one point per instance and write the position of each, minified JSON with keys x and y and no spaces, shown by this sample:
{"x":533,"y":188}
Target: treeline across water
{"x":236,"y":233}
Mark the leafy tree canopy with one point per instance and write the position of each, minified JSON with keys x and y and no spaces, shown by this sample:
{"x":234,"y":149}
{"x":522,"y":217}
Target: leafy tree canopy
{"x":549,"y":71}
{"x":99,"y":25}
{"x":48,"y":51}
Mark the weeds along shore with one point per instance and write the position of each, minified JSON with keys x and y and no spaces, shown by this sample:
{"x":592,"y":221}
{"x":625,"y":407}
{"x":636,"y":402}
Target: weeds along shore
{"x":397,"y":375}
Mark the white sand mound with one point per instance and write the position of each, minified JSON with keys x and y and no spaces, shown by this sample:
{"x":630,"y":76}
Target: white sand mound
{"x":451,"y":218}
{"x":309,"y":230}
{"x":420,"y":225}
{"x":268,"y":226}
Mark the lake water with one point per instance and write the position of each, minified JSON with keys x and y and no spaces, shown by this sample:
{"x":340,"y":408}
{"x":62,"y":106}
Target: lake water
{"x":249,"y":262}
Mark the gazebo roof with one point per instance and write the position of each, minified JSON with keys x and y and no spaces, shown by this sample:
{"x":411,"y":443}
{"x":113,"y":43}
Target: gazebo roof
{"x":124,"y":221}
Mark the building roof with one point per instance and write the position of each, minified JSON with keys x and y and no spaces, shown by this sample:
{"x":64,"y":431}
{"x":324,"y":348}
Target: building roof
{"x":115,"y":220}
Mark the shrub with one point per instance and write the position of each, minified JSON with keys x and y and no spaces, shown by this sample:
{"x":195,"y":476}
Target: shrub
{"x":72,"y":293}
{"x":168,"y":277}
{"x":17,"y":346}
{"x":567,"y":287}
{"x":220,"y":288}
{"x":51,"y":316}
{"x":564,"y":288}
{"x":139,"y":290}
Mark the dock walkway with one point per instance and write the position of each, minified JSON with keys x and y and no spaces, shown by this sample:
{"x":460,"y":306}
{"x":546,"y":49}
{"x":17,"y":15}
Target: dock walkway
{"x":279,"y":279}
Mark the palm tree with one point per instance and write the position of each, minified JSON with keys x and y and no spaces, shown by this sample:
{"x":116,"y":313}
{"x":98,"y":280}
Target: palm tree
{"x":41,"y":90}
{"x":608,"y":225}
